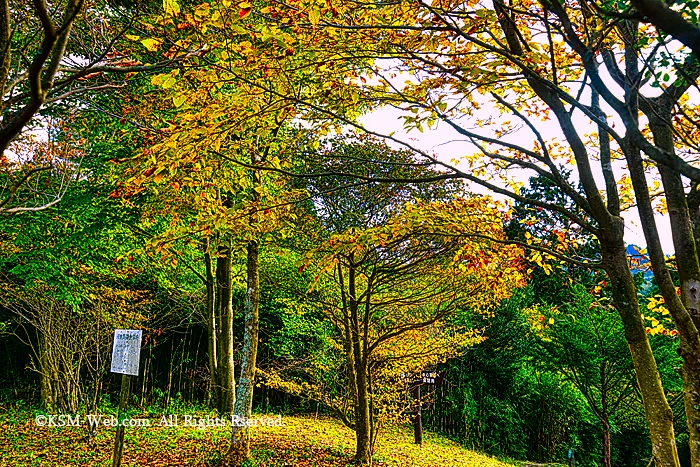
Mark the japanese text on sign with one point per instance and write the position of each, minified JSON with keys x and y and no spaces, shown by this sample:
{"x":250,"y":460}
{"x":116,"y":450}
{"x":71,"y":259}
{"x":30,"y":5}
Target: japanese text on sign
{"x":126,"y":351}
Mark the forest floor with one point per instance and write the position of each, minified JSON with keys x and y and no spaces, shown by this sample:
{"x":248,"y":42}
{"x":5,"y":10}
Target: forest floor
{"x":301,"y":441}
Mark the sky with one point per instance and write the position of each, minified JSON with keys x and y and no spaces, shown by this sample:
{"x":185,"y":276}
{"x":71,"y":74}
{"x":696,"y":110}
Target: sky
{"x":447,"y":144}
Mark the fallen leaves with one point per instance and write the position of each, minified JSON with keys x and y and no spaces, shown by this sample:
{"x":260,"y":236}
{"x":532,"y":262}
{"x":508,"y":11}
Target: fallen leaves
{"x":302,"y":442}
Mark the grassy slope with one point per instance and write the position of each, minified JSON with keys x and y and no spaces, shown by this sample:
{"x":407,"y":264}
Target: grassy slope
{"x":303,"y":442}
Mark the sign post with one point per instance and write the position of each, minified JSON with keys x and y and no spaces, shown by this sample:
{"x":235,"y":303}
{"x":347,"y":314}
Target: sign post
{"x":418,"y":420}
{"x":426,"y":377}
{"x":125,"y":360}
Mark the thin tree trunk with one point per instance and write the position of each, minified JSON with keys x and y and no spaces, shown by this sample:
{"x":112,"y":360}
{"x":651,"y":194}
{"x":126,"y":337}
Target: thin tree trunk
{"x":362,"y":418}
{"x":193,"y":384}
{"x":211,"y":323}
{"x":170,"y":376}
{"x":694,"y":209}
{"x":363,"y":453}
{"x":47,"y":399}
{"x":239,"y":449}
{"x":225,"y":367}
{"x":607,"y":457}
{"x":143,"y":381}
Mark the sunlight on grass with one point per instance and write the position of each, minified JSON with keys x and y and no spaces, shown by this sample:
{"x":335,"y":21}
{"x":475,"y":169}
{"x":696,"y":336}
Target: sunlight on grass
{"x":302,"y":441}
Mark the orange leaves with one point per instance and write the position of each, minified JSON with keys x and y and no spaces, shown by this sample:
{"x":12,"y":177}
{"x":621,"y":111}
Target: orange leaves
{"x":245,"y":9}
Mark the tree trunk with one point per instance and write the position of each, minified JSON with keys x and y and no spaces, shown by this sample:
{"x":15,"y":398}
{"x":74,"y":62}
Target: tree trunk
{"x":225,"y":366}
{"x":657,"y":410}
{"x":363,"y":430}
{"x":418,"y":417}
{"x":607,"y":459}
{"x":211,"y":324}
{"x":689,"y":275}
{"x":240,"y":438}
{"x":694,"y":208}
{"x":691,"y":402}
{"x":47,"y":398}
{"x":363,"y":453}
{"x":680,"y":214}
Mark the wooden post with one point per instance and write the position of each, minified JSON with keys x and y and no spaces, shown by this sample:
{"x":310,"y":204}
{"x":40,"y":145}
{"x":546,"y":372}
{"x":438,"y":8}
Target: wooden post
{"x":119,"y":437}
{"x":417,"y":421}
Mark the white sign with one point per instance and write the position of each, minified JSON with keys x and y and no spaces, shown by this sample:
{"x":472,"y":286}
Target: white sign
{"x":126,"y":351}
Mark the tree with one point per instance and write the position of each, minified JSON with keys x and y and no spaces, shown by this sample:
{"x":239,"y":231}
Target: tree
{"x":585,"y":342}
{"x":68,"y":278}
{"x":464,"y":64}
{"x":206,"y":179}
{"x":670,"y":21}
{"x":51,"y":56}
{"x":202,"y":136}
{"x":392,"y":292}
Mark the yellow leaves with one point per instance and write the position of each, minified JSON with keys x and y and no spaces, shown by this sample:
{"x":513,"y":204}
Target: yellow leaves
{"x":179,"y":100}
{"x":238,"y":30}
{"x":157,"y":80}
{"x":151,"y":44}
{"x":536,"y":257}
{"x":661,"y":207}
{"x":166,"y":81}
{"x":656,"y":302}
{"x":171,"y":7}
{"x":202,"y":12}
{"x":540,"y":319}
{"x":244,"y":48}
{"x":659,"y":318}
{"x":547,"y":268}
{"x":314,"y":16}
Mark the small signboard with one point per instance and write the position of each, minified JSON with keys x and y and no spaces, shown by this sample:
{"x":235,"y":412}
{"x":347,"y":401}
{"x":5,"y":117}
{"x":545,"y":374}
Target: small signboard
{"x":126,"y":351}
{"x":425,"y":377}
{"x":432,"y":377}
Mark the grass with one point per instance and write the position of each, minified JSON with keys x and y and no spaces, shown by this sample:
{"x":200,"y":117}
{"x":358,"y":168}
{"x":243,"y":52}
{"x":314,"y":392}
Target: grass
{"x":302,"y":441}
